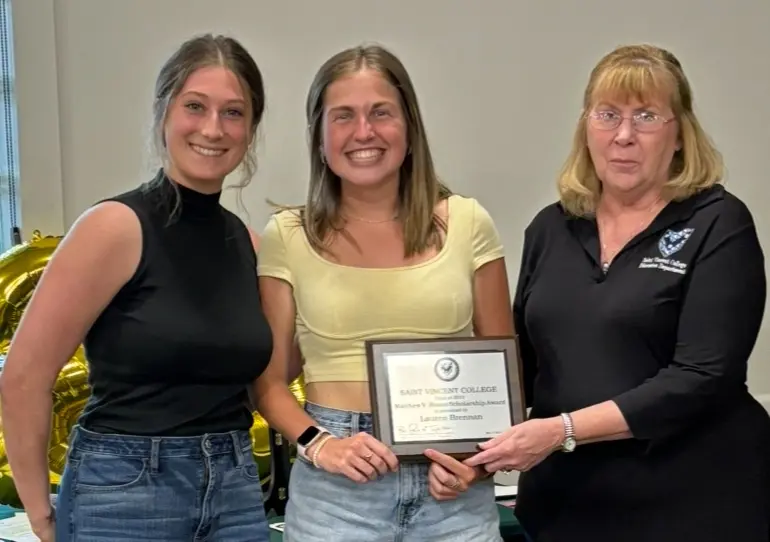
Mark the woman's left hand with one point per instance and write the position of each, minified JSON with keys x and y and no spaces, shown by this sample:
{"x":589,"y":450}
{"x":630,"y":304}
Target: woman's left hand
{"x":521,"y":447}
{"x":448,"y":477}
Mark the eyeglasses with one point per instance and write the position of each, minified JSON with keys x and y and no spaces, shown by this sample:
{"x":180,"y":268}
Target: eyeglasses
{"x":642,"y":122}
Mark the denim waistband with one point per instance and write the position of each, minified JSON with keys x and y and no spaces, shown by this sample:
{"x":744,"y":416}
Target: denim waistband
{"x":349,"y":421}
{"x":210,"y":444}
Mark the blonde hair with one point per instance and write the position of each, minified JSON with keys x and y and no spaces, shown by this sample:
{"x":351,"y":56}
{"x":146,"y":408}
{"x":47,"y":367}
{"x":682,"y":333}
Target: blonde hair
{"x":641,"y":71}
{"x":420,"y":189}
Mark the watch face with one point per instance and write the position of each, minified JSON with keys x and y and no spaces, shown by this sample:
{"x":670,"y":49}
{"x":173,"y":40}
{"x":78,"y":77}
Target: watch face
{"x":308,"y":436}
{"x":569,"y":444}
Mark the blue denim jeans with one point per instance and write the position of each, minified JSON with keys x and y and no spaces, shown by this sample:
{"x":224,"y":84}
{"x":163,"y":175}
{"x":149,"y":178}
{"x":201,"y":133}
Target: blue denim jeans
{"x":397,"y":507}
{"x":118,"y":488}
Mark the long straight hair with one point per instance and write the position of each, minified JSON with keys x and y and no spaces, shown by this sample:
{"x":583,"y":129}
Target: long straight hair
{"x":420,"y":189}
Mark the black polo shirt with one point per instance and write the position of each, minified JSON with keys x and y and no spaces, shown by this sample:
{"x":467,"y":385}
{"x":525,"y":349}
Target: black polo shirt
{"x":666,"y":332}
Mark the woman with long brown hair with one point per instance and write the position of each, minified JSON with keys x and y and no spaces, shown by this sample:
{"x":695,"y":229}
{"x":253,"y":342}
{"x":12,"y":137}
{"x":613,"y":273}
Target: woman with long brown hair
{"x":381,"y":249}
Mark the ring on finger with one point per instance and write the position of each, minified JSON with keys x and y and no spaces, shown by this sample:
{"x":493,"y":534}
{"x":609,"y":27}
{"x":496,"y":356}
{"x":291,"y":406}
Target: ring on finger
{"x":456,"y":484}
{"x":368,"y":456}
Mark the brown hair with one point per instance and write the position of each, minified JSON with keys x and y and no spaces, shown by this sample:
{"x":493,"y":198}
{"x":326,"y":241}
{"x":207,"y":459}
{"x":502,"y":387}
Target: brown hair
{"x":420,"y":189}
{"x":641,"y":71}
{"x":200,"y":52}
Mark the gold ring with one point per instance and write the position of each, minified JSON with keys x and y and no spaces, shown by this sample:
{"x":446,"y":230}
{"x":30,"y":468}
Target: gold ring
{"x":456,"y":484}
{"x":368,"y":456}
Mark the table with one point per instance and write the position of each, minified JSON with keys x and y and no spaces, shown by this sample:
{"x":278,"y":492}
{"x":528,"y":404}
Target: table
{"x":510,"y":529}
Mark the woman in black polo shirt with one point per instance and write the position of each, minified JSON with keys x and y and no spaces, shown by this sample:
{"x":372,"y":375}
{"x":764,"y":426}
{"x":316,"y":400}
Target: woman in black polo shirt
{"x":640,"y":297}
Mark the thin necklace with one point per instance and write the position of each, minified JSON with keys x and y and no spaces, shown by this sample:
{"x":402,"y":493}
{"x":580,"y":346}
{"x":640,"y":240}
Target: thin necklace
{"x":642,"y":224}
{"x":367,"y":221}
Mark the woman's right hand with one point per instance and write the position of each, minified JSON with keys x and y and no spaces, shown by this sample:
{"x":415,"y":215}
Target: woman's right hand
{"x":361,"y":457}
{"x":44,"y":529}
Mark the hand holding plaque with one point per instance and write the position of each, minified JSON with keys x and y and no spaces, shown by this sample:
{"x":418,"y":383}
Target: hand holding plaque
{"x":448,"y":477}
{"x":359,"y":457}
{"x":444,"y":394}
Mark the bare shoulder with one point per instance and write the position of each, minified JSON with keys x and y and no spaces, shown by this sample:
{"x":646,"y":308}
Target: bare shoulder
{"x":114,"y":215}
{"x":108,"y":225}
{"x":104,"y":244}
{"x":101,"y":252}
{"x":98,"y":255}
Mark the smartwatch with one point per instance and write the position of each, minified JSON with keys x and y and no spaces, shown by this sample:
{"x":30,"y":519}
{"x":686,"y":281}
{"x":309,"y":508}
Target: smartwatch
{"x":307,"y":438}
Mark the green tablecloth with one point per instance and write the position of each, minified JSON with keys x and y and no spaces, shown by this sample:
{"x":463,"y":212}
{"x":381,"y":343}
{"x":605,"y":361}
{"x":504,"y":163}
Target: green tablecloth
{"x":509,"y":526}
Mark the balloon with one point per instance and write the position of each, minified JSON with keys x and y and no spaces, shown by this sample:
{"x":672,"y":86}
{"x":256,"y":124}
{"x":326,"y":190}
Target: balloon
{"x":70,"y":393}
{"x":8,"y":493}
{"x":260,"y":435}
{"x":20,"y":271}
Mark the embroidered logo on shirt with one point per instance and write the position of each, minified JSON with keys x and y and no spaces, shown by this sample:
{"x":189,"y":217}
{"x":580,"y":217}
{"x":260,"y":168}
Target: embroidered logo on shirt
{"x":672,"y":241}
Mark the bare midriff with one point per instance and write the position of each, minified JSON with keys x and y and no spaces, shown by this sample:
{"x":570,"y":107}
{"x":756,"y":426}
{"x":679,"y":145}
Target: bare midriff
{"x":352,"y":396}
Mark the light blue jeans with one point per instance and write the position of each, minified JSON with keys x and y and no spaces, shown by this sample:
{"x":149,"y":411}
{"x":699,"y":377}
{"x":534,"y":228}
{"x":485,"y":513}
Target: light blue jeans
{"x":397,"y":507}
{"x":118,"y":488}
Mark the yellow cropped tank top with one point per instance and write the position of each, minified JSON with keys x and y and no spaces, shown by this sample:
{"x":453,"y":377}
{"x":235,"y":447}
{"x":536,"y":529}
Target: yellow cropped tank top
{"x":339,"y":307}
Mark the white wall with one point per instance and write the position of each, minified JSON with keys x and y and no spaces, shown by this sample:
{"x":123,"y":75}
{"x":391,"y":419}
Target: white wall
{"x":42,"y":191}
{"x":500,"y":83}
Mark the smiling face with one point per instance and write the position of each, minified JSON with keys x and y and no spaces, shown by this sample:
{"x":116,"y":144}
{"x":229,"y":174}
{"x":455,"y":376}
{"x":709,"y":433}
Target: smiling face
{"x":207,"y":129}
{"x":364,"y":129}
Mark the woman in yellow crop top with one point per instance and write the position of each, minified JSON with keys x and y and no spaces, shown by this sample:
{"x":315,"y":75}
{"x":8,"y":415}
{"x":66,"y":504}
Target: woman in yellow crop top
{"x":381,"y":249}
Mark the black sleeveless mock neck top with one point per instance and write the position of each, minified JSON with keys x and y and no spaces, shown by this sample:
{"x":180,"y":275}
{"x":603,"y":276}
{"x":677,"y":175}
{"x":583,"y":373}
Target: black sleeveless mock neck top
{"x":174,"y":351}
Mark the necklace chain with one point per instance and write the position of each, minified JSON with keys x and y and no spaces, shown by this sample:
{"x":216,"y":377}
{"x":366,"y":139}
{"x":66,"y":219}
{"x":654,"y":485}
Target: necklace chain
{"x":367,"y":221}
{"x":643,"y":223}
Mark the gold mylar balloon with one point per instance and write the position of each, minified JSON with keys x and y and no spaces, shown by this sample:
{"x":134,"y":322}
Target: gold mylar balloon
{"x":8,"y":493}
{"x":70,"y":393}
{"x":20,"y":271}
{"x":260,"y":434}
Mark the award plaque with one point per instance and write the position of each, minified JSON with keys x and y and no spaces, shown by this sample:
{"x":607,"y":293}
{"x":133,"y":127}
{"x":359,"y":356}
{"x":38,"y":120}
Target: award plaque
{"x":444,"y":394}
